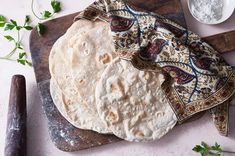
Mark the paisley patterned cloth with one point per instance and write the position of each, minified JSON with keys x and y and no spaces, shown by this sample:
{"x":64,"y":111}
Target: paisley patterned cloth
{"x":198,"y":77}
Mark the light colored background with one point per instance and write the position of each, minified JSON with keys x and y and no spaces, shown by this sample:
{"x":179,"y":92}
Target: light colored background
{"x":178,"y":142}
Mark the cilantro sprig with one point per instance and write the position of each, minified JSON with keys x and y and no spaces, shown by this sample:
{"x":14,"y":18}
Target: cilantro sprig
{"x":13,"y":25}
{"x":206,"y":150}
{"x":44,"y":15}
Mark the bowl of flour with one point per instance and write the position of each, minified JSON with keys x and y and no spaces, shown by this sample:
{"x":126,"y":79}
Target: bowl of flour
{"x":211,"y":11}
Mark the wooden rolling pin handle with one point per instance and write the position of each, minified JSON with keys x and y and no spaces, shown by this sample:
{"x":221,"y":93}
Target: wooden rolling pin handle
{"x":16,"y":121}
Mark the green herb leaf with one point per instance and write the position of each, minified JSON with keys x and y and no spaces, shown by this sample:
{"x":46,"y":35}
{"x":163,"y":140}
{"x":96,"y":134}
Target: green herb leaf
{"x":203,"y":144}
{"x":21,"y":61}
{"x":13,"y":22}
{"x":40,"y":29}
{"x":198,"y":148}
{"x":46,"y":14}
{"x":206,"y":150}
{"x":29,"y":63}
{"x":21,"y":55}
{"x":18,"y":27}
{"x":55,"y":5}
{"x":27,"y":19}
{"x":28,"y":27}
{"x":2,"y":21}
{"x":216,"y":147}
{"x":9,"y":38}
{"x":18,"y":45}
{"x":2,"y":24}
{"x":9,"y":26}
{"x":213,"y":154}
{"x":2,"y":18}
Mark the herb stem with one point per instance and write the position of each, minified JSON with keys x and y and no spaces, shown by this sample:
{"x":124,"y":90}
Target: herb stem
{"x":18,"y":36}
{"x":14,"y":50}
{"x":224,"y":151}
{"x":5,"y":58}
{"x":10,"y":54}
{"x":32,"y":8}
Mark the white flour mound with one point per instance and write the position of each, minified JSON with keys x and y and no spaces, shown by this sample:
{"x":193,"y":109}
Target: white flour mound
{"x":207,"y":10}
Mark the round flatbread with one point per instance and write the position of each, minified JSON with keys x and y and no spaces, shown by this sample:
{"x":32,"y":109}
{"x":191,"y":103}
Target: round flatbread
{"x":72,"y":54}
{"x":132,"y":104}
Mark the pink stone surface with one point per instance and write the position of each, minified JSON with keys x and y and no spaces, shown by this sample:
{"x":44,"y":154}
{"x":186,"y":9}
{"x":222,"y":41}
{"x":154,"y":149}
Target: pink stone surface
{"x":178,"y":142}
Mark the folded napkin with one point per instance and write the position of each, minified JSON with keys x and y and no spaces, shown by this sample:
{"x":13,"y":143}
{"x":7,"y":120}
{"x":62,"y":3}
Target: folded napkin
{"x":197,"y":77}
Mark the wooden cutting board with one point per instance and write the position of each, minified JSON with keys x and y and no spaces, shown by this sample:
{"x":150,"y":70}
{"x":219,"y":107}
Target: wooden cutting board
{"x":65,"y":136}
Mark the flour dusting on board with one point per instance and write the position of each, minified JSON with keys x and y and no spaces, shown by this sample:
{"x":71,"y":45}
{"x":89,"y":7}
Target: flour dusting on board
{"x":207,"y":10}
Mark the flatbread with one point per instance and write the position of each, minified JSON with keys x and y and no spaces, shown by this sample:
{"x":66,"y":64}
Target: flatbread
{"x":75,"y":102}
{"x":132,"y":104}
{"x":95,"y":53}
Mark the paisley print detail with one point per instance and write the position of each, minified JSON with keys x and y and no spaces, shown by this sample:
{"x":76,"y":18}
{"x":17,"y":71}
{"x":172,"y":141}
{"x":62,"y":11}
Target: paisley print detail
{"x":220,"y":82}
{"x":179,"y":75}
{"x":177,"y":44}
{"x":197,"y":47}
{"x":93,"y":12}
{"x":151,"y":51}
{"x":182,"y":89}
{"x":205,"y":92}
{"x":119,"y":24}
{"x":125,"y":41}
{"x":202,"y":63}
{"x":176,"y":31}
{"x":220,"y":118}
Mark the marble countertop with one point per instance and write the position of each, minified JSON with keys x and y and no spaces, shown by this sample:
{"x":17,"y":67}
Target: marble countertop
{"x":178,"y":142}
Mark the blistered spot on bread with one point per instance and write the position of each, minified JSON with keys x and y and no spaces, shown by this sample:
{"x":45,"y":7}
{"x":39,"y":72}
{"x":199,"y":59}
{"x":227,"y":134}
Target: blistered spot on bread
{"x":139,"y":134}
{"x":161,"y":78}
{"x":68,"y":102}
{"x":86,"y":52}
{"x":112,"y":117}
{"x":160,"y":114}
{"x":125,"y":97}
{"x":146,"y":75}
{"x":105,"y":58}
{"x":84,"y":44}
{"x":81,"y":81}
{"x":117,"y":86}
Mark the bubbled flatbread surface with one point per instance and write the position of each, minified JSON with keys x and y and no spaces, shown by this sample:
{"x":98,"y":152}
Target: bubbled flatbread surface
{"x":79,"y":54}
{"x":131,"y":103}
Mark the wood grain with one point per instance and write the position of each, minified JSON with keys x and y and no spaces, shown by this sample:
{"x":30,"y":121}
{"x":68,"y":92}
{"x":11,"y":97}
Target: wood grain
{"x":169,"y":8}
{"x":223,"y":43}
{"x":16,"y":119}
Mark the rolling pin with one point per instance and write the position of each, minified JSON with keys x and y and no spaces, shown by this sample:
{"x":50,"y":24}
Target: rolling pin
{"x":16,"y":118}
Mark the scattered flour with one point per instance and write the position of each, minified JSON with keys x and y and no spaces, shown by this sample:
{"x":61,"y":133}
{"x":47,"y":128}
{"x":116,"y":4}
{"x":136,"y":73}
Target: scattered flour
{"x":207,"y":10}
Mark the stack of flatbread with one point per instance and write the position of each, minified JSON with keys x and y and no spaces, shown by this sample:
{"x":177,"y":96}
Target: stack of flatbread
{"x":95,"y":90}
